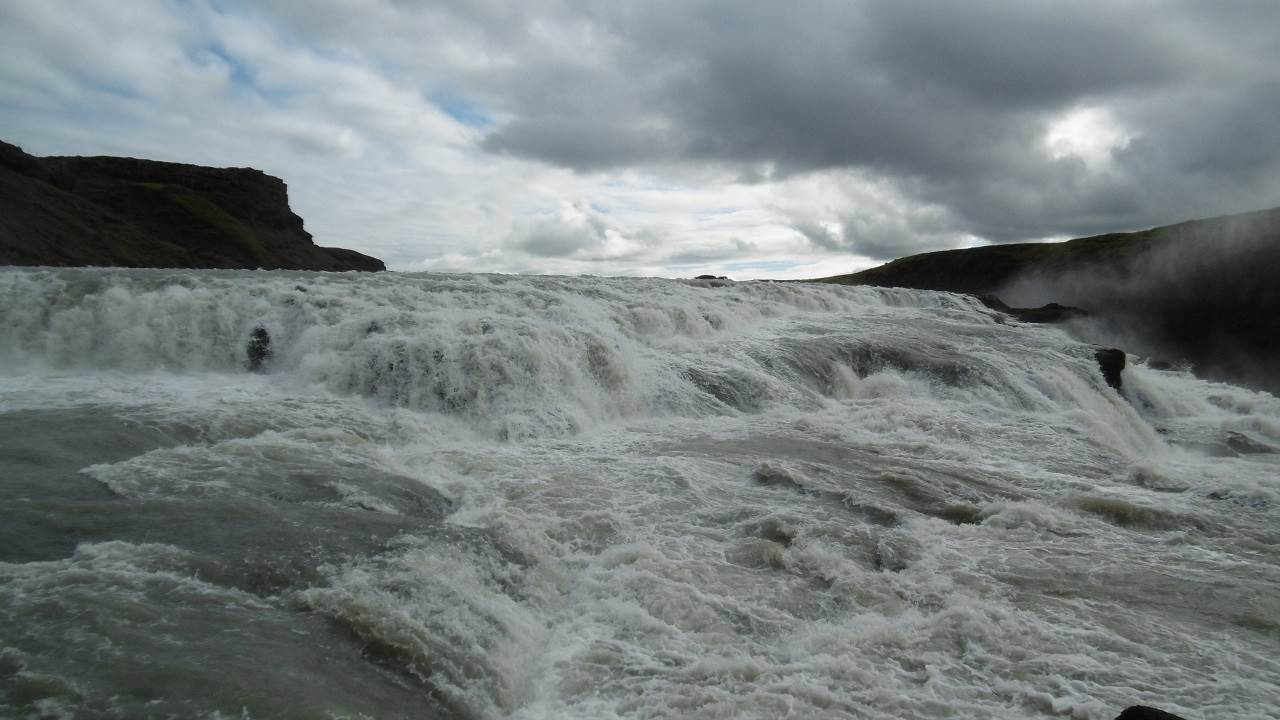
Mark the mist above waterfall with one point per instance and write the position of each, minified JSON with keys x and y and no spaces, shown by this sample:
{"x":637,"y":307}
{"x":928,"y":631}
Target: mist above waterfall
{"x":1196,"y":293}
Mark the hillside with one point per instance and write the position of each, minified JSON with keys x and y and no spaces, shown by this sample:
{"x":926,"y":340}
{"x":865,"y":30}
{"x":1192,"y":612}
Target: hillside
{"x":1201,"y":292}
{"x":110,"y":211}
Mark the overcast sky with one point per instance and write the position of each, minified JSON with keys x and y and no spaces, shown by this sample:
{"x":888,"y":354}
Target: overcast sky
{"x":753,"y":139}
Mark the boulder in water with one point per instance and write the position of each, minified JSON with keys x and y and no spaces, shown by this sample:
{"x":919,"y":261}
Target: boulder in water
{"x":1245,"y":445}
{"x":1050,"y":313}
{"x":1111,"y":361}
{"x":259,"y":348}
{"x":1142,"y":712}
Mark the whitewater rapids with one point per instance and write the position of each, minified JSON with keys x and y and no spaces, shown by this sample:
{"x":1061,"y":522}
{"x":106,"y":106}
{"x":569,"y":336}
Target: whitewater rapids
{"x":537,"y":497}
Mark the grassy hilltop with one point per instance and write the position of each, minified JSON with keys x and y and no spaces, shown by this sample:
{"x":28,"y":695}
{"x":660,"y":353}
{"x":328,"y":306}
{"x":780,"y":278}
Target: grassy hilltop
{"x":125,"y":212}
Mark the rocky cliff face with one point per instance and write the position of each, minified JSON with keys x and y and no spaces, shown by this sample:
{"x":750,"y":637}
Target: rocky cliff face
{"x":110,"y":211}
{"x":1201,"y":292}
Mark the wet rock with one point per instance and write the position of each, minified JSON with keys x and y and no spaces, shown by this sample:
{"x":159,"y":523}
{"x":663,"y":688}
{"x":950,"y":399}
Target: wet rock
{"x":1246,"y":445}
{"x":1237,"y":499}
{"x":872,"y":514}
{"x":1050,"y":313}
{"x":768,"y":473}
{"x":259,"y":348}
{"x":711,"y":277}
{"x":887,"y":559}
{"x":760,"y":554}
{"x":895,"y":552}
{"x":1210,"y":449}
{"x":1142,"y":712}
{"x":1111,"y":361}
{"x":734,"y":388}
{"x":958,"y":514}
{"x":774,"y":531}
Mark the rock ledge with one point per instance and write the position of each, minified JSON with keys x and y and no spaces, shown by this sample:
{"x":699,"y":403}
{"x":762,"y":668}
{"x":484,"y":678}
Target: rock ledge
{"x":126,"y":212}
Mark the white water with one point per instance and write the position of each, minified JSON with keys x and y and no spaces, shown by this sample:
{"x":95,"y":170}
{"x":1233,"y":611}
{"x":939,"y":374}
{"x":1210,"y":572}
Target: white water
{"x":591,"y":498}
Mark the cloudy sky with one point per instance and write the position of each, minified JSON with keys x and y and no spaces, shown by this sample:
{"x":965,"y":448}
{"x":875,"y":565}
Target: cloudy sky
{"x":753,"y":139}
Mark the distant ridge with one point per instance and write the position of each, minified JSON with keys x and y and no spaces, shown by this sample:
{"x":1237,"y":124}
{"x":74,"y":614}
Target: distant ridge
{"x":126,"y":212}
{"x":1203,"y":292}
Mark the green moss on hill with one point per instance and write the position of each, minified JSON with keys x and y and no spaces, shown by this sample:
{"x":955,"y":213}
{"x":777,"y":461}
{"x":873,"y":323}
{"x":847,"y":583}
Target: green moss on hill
{"x":106,"y":211}
{"x":209,"y":214}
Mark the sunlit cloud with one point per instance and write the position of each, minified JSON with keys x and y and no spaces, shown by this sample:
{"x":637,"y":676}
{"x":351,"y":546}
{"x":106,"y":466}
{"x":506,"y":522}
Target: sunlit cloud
{"x":1089,"y":133}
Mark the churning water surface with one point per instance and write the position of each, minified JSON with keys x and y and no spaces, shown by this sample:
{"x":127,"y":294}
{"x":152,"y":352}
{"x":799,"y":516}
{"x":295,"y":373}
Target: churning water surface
{"x":534,"y":497}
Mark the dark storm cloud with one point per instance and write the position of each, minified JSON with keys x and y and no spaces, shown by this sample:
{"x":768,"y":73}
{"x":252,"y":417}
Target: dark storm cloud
{"x":912,"y":86}
{"x":558,"y":241}
{"x":578,"y":229}
{"x":476,"y":134}
{"x":708,"y":255}
{"x":1019,"y":54}
{"x":561,"y":237}
{"x":820,"y":236}
{"x":882,"y":236}
{"x":953,"y":100}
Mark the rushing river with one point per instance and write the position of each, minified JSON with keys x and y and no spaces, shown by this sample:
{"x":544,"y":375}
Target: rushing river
{"x":539,"y":497}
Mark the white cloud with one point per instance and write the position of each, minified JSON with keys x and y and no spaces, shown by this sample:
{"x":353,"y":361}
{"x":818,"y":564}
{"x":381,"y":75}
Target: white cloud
{"x":757,"y":148}
{"x":1089,"y":133}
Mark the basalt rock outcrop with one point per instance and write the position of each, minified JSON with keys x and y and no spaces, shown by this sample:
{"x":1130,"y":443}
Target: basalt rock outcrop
{"x":126,"y":212}
{"x":258,"y":349}
{"x":1143,"y":712}
{"x":1111,"y":362}
{"x":1047,"y":313}
{"x":1201,"y":293}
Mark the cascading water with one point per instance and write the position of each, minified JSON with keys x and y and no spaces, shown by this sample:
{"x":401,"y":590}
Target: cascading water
{"x":252,"y":494}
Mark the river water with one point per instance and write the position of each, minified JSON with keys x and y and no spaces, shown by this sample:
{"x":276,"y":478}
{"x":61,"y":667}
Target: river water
{"x":469,"y":496}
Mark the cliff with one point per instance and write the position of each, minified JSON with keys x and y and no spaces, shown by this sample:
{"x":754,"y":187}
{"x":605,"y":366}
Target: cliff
{"x":111,"y":211}
{"x":1201,"y":292}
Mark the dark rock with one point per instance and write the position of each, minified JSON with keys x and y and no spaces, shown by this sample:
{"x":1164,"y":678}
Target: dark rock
{"x":885,"y":558}
{"x":958,"y":514}
{"x":13,"y":158}
{"x":1245,"y":445}
{"x":1050,"y":313}
{"x":125,"y":212}
{"x":1142,"y":712}
{"x":711,"y":277}
{"x":1111,"y":361}
{"x":259,"y":348}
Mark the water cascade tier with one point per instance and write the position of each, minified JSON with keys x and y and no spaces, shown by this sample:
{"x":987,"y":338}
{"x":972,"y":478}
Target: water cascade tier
{"x":294,"y":495}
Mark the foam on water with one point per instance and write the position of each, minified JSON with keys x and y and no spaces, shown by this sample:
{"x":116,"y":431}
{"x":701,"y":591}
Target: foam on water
{"x":486,"y":496}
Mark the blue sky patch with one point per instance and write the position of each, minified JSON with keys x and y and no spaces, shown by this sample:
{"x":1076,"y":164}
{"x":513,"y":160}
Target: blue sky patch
{"x":240,"y":74}
{"x":458,"y":108}
{"x":243,"y":78}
